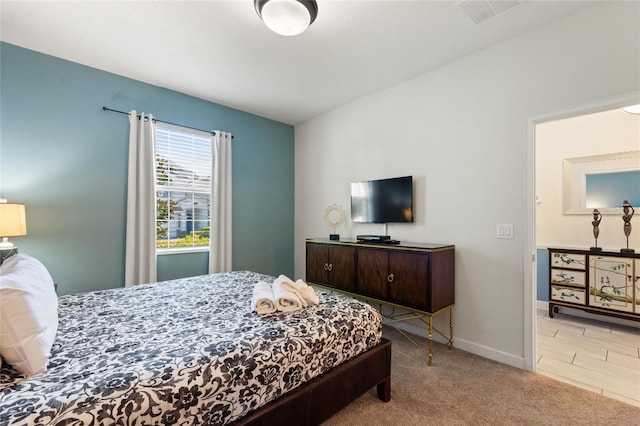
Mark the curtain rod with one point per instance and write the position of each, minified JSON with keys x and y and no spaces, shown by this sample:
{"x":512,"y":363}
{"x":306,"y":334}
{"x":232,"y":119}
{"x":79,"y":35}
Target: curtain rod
{"x":104,"y":108}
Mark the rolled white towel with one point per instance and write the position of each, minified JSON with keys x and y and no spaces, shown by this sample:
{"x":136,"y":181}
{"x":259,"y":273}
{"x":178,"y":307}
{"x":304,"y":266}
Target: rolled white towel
{"x":307,"y":292}
{"x":286,"y":283}
{"x":263,"y":301}
{"x":286,"y":299}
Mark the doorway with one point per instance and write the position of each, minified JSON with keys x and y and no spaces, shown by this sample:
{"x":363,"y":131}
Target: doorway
{"x":545,"y":153}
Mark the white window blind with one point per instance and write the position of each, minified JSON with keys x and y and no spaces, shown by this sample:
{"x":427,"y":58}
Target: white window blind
{"x":183,"y":184}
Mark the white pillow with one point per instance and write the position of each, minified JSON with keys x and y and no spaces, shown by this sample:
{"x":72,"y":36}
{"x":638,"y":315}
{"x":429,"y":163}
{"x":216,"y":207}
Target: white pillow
{"x":28,"y":314}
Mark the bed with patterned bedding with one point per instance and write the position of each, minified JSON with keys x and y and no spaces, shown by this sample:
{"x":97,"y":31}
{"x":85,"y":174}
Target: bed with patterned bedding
{"x":187,"y":351}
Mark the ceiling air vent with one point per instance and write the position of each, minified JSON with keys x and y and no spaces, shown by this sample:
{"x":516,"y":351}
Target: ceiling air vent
{"x":481,"y":10}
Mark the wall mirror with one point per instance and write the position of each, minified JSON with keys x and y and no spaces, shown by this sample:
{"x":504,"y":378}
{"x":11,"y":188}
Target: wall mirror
{"x":602,"y":182}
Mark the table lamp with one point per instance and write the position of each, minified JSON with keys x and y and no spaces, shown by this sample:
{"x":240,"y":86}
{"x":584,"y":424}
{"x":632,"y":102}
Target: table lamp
{"x":13,"y":223}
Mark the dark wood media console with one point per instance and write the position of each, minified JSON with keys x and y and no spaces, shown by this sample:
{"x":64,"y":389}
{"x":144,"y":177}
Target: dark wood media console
{"x":417,"y":277}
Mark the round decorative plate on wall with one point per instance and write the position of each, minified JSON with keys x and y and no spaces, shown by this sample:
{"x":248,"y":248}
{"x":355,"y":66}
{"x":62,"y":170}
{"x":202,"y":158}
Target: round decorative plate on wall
{"x":334,"y":217}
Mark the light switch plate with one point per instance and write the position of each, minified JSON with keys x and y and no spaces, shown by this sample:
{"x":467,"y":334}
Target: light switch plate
{"x":504,"y":230}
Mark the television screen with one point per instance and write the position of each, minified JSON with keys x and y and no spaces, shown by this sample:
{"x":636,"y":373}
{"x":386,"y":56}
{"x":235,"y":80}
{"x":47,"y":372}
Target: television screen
{"x":382,"y":201}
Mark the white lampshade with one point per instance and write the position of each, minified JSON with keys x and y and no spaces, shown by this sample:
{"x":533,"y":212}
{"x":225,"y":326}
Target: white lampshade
{"x":287,"y":17}
{"x":13,"y":223}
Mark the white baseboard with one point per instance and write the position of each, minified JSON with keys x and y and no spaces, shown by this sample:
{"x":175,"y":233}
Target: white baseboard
{"x":542,"y":305}
{"x":466,"y":345}
{"x":490,"y":353}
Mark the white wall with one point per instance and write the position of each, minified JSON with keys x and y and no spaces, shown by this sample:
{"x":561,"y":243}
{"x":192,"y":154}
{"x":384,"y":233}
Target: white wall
{"x":461,"y":131}
{"x":593,"y":134}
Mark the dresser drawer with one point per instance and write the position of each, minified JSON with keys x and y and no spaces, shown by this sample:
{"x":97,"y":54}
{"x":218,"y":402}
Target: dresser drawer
{"x":568,"y":277}
{"x":568,"y":260}
{"x":568,"y":294}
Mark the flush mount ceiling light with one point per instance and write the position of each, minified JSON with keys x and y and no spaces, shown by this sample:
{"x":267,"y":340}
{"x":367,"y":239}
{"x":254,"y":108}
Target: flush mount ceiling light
{"x":633,"y":109}
{"x":287,"y":17}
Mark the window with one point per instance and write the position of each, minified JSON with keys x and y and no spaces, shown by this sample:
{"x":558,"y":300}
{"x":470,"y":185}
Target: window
{"x":183,"y":187}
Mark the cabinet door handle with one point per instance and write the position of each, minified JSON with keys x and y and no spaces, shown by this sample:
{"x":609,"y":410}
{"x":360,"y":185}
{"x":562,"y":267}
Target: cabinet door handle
{"x":325,"y":267}
{"x":330,"y":267}
{"x":390,"y":278}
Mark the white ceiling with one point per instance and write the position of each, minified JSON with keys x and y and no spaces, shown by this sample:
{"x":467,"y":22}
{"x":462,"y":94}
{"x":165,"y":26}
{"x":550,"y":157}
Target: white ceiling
{"x":222,"y":52}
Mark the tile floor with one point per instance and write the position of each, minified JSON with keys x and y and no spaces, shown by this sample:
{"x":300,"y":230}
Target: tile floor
{"x":595,"y":355}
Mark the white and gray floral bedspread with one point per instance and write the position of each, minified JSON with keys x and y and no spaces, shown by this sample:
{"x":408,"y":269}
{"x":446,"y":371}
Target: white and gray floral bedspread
{"x":188,"y":351}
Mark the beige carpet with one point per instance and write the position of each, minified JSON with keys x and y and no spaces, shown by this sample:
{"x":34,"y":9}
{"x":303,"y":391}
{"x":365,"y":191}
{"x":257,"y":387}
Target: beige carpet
{"x":465,"y":389}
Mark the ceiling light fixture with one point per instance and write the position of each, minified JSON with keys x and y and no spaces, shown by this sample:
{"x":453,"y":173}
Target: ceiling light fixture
{"x":287,"y":17}
{"x":632,"y":109}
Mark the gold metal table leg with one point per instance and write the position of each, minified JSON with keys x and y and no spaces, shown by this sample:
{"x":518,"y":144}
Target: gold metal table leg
{"x":430,"y":338}
{"x":451,"y":327}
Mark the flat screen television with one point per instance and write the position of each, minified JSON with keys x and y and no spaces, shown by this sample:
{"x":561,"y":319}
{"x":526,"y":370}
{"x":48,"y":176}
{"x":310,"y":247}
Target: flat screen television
{"x":382,"y":201}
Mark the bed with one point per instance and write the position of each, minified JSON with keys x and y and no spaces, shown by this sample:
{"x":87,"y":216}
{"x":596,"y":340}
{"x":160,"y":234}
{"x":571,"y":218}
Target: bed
{"x":191,"y":351}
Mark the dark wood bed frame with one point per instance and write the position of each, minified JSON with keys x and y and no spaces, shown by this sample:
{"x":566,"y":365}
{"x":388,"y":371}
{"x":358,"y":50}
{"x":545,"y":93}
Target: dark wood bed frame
{"x":322,"y":397}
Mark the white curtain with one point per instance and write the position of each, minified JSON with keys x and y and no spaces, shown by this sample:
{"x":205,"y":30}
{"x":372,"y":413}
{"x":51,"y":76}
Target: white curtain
{"x":140,"y":257}
{"x":220,"y":237}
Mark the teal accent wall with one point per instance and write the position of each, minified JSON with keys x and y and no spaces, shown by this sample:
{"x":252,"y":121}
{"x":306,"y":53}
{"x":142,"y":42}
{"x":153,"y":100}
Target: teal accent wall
{"x":542,"y":275}
{"x":66,"y":159}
